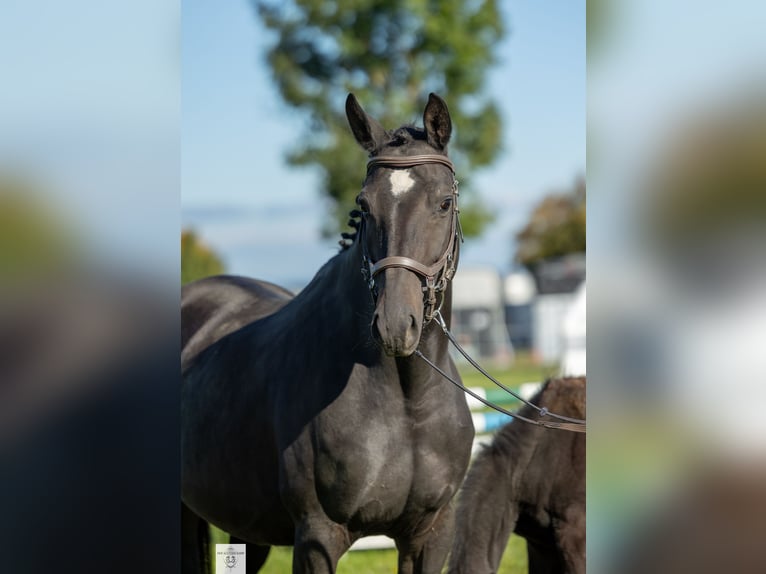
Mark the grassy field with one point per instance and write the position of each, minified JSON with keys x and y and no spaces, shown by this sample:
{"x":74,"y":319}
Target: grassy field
{"x":523,"y":370}
{"x":384,"y":561}
{"x":372,"y":561}
{"x":514,"y":561}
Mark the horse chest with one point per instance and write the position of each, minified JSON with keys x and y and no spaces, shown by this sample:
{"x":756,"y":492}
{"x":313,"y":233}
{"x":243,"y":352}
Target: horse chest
{"x":376,"y":468}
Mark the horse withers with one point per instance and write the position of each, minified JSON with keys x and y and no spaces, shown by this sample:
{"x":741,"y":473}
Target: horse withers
{"x":531,"y":481}
{"x":307,"y":421}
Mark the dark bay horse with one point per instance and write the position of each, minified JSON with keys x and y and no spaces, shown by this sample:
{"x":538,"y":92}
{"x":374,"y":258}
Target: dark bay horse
{"x":531,"y":481}
{"x":306,"y":421}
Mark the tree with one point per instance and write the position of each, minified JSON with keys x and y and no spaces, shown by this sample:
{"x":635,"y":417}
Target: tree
{"x":555,"y":228}
{"x":390,"y":55}
{"x":34,"y":238}
{"x":706,"y":185}
{"x":197,"y":260}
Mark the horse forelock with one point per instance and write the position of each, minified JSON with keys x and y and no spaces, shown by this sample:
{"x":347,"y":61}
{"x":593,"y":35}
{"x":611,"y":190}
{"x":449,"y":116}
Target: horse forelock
{"x":406,"y":133}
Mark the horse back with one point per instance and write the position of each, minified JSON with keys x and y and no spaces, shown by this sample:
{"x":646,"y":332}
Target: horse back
{"x":214,"y":307}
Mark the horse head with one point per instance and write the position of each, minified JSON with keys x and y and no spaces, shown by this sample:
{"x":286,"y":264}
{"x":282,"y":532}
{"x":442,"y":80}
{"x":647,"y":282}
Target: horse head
{"x":409,"y":233}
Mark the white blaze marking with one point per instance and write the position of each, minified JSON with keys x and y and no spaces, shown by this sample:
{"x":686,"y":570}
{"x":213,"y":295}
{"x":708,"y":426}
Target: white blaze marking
{"x":401,"y":182}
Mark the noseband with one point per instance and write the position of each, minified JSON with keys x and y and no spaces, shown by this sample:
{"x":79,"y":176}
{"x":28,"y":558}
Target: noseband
{"x":436,"y":276}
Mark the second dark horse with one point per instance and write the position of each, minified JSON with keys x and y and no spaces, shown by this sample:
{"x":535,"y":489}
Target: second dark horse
{"x":307,"y":421}
{"x":531,"y":481}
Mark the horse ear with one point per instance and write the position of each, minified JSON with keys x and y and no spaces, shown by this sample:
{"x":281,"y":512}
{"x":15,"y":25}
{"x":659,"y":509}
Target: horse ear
{"x":367,"y":131}
{"x":437,"y":122}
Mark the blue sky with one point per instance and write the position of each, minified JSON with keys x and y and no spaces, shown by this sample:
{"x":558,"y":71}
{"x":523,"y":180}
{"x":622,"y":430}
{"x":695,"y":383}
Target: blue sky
{"x":264,"y":217}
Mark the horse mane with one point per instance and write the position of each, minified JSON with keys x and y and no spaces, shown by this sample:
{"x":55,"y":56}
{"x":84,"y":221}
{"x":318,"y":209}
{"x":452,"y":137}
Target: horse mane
{"x":564,"y":396}
{"x":348,"y":239}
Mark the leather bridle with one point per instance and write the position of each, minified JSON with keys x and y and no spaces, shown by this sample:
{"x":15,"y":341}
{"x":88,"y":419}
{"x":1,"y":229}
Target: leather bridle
{"x":435,"y":276}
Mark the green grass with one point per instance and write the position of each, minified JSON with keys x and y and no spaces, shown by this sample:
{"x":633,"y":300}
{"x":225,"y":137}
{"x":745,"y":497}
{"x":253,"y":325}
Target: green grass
{"x":514,"y":561}
{"x":523,"y":370}
{"x":384,"y":561}
{"x":374,"y":561}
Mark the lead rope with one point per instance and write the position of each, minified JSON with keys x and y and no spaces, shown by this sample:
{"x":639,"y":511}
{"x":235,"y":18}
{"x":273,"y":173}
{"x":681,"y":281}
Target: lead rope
{"x":547,"y":424}
{"x":571,"y":424}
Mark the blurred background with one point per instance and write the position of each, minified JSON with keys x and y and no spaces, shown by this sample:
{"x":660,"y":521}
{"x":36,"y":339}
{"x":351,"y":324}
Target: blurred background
{"x":676,"y":230}
{"x":89,"y":264}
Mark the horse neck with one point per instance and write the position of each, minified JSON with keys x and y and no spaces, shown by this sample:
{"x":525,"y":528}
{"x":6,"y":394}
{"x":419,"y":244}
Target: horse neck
{"x":338,"y":296}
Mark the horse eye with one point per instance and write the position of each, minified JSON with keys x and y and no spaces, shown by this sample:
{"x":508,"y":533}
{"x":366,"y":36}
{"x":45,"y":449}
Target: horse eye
{"x":446,"y":204}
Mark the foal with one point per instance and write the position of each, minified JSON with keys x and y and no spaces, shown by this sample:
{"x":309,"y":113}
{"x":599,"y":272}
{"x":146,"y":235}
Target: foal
{"x":531,"y":481}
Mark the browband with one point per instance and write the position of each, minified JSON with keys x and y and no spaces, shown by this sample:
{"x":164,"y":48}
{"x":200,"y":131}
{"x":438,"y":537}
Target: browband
{"x":409,"y":161}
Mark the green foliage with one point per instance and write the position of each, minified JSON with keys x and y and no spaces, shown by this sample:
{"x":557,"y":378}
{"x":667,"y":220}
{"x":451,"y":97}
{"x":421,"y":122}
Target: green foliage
{"x":555,"y":228}
{"x":197,"y":260}
{"x":707,"y":185}
{"x":390,"y":55}
{"x":35,"y":238}
{"x":600,"y":16}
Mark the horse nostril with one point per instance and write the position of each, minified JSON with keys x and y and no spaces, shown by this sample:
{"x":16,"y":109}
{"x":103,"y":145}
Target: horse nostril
{"x":413,"y":332}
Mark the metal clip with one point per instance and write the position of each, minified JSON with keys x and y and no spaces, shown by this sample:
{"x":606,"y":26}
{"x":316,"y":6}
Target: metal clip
{"x":440,"y":320}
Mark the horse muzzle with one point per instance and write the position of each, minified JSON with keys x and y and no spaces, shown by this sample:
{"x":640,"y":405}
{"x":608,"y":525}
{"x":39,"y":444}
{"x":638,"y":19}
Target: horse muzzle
{"x":398,"y":322}
{"x":398,"y":338}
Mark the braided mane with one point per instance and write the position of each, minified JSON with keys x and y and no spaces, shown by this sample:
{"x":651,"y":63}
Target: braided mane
{"x":347,"y":239}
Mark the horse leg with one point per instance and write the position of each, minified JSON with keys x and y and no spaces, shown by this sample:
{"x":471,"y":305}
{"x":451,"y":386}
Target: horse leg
{"x":426,"y":553}
{"x":486,"y":517}
{"x":319,"y":544}
{"x":543,"y":559}
{"x":479,"y":549}
{"x":255,"y":555}
{"x":195,"y":543}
